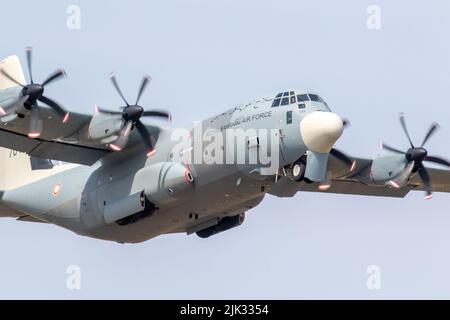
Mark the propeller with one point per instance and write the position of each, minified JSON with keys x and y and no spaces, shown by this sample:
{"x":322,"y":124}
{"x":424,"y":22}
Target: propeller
{"x":341,"y":156}
{"x":32,"y":93}
{"x":344,"y":158}
{"x":415,"y":157}
{"x":131,"y":114}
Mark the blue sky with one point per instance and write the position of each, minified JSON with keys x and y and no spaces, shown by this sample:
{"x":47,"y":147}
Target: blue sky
{"x":205,"y":57}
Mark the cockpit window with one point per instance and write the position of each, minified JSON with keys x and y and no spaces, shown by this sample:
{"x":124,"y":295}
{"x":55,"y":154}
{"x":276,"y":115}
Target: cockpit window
{"x":285,"y":94}
{"x":315,"y":97}
{"x":279,"y":95}
{"x":302,"y":97}
{"x":293,"y":99}
{"x":285,"y":101}
{"x":276,"y":102}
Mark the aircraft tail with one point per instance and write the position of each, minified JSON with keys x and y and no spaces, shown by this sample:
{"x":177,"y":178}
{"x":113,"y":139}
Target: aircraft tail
{"x":15,"y":169}
{"x":13,"y":67}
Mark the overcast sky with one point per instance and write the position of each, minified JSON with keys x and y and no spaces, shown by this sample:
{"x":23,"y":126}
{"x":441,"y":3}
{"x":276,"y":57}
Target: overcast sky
{"x":207,"y":56}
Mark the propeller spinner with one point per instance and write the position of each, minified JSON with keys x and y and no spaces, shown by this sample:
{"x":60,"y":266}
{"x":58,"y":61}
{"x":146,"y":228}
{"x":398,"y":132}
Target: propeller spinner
{"x":415,"y":157}
{"x":131,"y":114}
{"x":32,"y":93}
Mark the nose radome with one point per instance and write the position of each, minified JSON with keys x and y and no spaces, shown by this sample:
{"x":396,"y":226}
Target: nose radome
{"x":320,"y":130}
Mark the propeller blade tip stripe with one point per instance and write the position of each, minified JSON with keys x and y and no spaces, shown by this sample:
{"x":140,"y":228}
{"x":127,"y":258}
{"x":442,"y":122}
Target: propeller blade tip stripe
{"x":324,"y":187}
{"x":33,"y":135}
{"x":428,"y":197}
{"x":66,"y":117}
{"x":2,"y":111}
{"x":353,"y":166}
{"x":394,"y":184}
{"x":115,"y":147}
{"x":151,"y":152}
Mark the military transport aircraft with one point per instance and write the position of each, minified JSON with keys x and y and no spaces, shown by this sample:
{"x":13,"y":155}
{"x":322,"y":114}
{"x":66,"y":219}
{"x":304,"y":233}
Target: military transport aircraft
{"x":126,"y":181}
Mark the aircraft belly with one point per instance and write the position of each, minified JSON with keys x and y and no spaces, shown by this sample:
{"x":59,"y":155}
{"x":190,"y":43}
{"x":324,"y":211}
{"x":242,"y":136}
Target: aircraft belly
{"x":221,"y":197}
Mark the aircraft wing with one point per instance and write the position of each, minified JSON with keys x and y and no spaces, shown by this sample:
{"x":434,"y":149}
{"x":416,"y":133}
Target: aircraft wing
{"x":67,"y":142}
{"x":341,"y":184}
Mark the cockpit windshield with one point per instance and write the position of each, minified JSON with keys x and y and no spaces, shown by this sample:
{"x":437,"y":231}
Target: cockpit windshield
{"x":315,"y":97}
{"x":289,"y":97}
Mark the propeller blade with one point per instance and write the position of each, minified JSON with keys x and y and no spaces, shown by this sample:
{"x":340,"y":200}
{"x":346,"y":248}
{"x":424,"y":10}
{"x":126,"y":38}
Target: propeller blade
{"x":344,"y":158}
{"x":346,"y":123}
{"x":6,"y":74}
{"x":29,"y":56}
{"x":35,"y":123}
{"x":145,"y":136}
{"x":402,"y":178}
{"x":144,"y":84}
{"x":121,"y":142}
{"x":430,"y":132}
{"x":55,"y":75}
{"x":55,"y":106}
{"x":437,"y":160}
{"x":387,"y":147}
{"x":107,"y":111}
{"x":423,"y":173}
{"x":405,"y":129}
{"x":114,"y":82}
{"x":12,"y":106}
{"x":156,"y":113}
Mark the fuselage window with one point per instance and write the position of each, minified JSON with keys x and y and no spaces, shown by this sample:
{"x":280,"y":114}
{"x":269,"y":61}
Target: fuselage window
{"x":276,"y":102}
{"x":289,"y":117}
{"x":285,"y":101}
{"x":302,"y":97}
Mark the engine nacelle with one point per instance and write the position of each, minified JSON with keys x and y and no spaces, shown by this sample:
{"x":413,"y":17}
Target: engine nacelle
{"x":165,"y":182}
{"x":124,"y":207}
{"x":224,"y":224}
{"x":386,"y":167}
{"x":105,"y":128}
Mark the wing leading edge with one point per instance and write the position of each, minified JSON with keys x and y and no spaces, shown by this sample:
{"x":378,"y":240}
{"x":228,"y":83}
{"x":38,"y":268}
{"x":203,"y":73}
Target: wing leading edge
{"x":341,"y":184}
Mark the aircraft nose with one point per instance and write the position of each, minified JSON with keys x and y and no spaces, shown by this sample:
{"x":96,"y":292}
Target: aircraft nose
{"x":320,"y":130}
